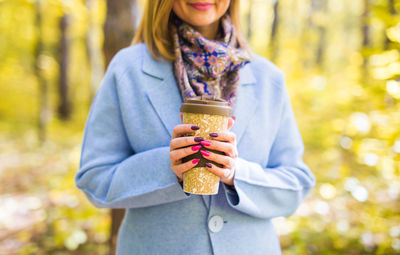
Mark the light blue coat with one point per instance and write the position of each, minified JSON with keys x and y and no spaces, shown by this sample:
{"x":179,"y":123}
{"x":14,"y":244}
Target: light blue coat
{"x":125,"y":162}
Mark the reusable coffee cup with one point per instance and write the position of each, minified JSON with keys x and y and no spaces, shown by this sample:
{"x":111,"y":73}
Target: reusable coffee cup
{"x":211,"y":115}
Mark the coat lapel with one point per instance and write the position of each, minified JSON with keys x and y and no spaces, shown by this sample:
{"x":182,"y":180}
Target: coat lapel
{"x":164,"y":95}
{"x":246,"y":102}
{"x":162,"y":91}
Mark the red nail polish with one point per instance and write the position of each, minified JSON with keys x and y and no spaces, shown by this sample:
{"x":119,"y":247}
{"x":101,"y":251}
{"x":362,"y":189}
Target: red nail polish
{"x":195,"y":148}
{"x":205,"y":153}
{"x":208,"y":165}
{"x":234,"y":117}
{"x":195,"y":161}
{"x":206,"y":143}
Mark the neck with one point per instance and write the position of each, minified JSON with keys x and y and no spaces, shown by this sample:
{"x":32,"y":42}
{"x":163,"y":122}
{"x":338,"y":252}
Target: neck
{"x":209,"y":31}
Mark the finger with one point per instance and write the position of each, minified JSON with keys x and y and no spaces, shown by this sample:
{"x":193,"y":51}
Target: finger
{"x":178,"y":154}
{"x":181,"y":168}
{"x":184,"y":141}
{"x":231,"y":121}
{"x":223,"y":135}
{"x":181,"y":117}
{"x":223,"y":173}
{"x":228,"y":148}
{"x":221,"y":159}
{"x":182,"y":129}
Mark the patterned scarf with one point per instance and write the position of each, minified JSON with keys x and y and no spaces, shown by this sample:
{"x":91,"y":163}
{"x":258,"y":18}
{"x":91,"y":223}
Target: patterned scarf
{"x":205,"y":66}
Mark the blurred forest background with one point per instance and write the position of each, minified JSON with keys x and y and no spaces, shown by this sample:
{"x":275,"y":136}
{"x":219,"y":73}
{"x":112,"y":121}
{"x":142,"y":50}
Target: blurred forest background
{"x":342,"y":63}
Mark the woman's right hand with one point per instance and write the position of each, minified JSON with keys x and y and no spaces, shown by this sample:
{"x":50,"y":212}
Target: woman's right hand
{"x":177,"y":152}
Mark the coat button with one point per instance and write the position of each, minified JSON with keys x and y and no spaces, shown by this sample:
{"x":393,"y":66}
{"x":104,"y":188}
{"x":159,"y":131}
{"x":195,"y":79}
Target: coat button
{"x":215,"y":223}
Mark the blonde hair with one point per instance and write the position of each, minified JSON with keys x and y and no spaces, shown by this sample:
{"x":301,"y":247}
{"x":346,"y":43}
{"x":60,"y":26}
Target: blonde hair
{"x":154,"y":29}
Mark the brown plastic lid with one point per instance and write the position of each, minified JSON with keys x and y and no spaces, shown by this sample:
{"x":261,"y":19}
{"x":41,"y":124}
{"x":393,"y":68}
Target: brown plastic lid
{"x":206,"y":104}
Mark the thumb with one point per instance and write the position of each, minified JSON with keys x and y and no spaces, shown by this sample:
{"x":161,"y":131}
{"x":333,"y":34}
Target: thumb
{"x":231,"y":121}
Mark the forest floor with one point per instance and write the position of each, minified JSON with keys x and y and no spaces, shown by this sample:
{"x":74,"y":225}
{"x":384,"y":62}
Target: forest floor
{"x":40,"y":207}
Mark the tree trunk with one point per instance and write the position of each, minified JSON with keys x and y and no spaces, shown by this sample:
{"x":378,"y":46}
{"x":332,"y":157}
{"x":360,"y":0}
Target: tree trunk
{"x":248,"y":17}
{"x":119,"y":27}
{"x":43,"y":90}
{"x":365,"y":36}
{"x":64,"y":107}
{"x":94,"y":50}
{"x":274,"y":31}
{"x":392,"y":12}
{"x":365,"y":25}
{"x":322,"y":34}
{"x":118,"y":33}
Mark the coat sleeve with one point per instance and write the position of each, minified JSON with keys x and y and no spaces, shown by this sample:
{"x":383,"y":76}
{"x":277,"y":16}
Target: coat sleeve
{"x":278,"y":188}
{"x":110,"y":173}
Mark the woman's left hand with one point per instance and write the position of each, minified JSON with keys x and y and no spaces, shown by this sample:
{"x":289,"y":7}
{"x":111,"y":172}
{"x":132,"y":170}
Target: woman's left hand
{"x":225,"y":141}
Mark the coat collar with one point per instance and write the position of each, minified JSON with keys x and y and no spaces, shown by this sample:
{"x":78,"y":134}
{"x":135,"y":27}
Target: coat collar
{"x":168,"y":107}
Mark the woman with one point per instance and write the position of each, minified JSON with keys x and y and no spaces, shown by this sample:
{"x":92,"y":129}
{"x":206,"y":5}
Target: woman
{"x":133,"y":139}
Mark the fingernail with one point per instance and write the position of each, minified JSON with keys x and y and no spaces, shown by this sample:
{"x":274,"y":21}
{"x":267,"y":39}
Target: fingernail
{"x":213,"y":134}
{"x":205,"y":153}
{"x":195,"y":127}
{"x":198,"y":139}
{"x":234,"y":117}
{"x":195,"y":161}
{"x":196,"y":148}
{"x":206,"y":143}
{"x":227,"y":172}
{"x":208,"y":165}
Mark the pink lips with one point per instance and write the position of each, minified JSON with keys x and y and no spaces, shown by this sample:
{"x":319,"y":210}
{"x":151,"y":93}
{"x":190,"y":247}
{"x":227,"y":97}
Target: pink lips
{"x":201,"y":6}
